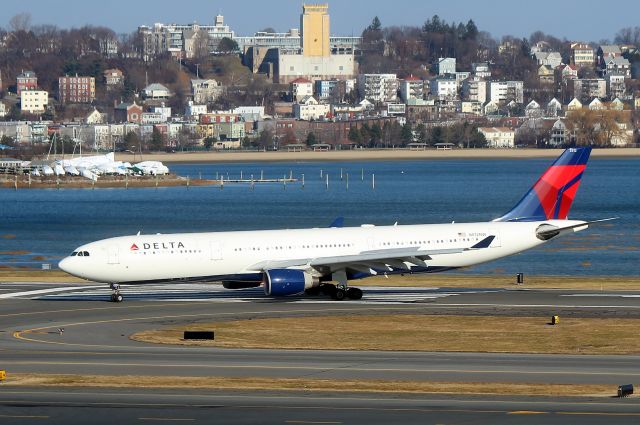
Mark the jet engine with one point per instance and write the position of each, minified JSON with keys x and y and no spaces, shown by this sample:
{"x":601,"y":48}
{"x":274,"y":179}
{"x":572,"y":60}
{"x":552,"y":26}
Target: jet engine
{"x":283,"y":282}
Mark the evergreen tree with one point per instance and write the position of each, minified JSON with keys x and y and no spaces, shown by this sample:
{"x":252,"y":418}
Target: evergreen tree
{"x":311,"y":139}
{"x":406,"y":135}
{"x":355,"y":136}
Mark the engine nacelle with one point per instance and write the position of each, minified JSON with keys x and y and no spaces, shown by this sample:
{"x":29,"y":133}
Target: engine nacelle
{"x":283,"y":282}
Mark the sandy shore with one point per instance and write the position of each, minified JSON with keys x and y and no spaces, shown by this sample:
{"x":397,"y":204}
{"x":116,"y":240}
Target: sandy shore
{"x":369,"y":155}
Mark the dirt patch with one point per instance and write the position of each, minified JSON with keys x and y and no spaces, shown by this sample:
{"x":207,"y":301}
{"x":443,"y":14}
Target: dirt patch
{"x":275,"y":384}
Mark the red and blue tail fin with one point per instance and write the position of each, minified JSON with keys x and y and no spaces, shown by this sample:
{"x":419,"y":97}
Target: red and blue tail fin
{"x":552,"y":195}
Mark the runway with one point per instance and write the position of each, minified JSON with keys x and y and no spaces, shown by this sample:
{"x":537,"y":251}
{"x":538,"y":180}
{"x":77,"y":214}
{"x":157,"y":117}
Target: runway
{"x":149,"y":406}
{"x":95,"y":341}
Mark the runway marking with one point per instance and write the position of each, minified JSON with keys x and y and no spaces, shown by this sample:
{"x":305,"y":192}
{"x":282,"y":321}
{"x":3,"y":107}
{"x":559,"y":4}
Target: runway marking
{"x":526,"y":412}
{"x":42,"y":291}
{"x":19,"y":334}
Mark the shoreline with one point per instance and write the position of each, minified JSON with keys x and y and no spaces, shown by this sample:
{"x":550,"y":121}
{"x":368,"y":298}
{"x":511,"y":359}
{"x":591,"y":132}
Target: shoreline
{"x":369,"y":155}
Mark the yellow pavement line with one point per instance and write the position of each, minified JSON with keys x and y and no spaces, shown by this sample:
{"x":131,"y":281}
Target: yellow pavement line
{"x":527,"y":412}
{"x":19,"y":334}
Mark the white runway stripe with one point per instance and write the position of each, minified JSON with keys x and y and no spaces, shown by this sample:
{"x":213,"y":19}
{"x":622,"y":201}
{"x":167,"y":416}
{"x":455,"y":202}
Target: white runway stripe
{"x":198,"y":292}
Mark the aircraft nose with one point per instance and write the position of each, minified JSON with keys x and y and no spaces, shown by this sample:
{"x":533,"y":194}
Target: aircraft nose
{"x":65,"y":265}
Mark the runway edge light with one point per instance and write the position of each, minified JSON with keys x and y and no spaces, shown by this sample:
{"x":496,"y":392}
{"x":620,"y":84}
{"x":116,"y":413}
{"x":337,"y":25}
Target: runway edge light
{"x":3,"y":375}
{"x":555,"y":320}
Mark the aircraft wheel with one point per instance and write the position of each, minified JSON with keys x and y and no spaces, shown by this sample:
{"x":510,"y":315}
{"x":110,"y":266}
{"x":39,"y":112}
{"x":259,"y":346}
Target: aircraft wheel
{"x":339,"y":294}
{"x":313,"y":291}
{"x":354,"y":293}
{"x":117,"y":298}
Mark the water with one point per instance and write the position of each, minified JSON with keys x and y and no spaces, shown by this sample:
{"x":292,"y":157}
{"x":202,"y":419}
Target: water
{"x":41,"y":226}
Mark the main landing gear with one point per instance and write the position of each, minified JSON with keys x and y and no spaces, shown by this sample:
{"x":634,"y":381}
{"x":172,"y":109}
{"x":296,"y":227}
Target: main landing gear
{"x":116,"y":296}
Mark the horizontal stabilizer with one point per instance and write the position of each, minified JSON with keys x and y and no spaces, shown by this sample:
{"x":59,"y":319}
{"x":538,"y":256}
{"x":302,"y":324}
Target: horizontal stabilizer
{"x":548,"y":231}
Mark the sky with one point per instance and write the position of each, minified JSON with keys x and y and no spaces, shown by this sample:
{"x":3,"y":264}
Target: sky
{"x":571,"y":19}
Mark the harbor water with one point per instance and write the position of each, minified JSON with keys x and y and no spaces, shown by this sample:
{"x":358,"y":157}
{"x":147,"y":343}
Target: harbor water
{"x":40,"y":226}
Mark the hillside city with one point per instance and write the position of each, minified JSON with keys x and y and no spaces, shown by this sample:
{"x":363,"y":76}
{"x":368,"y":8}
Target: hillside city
{"x":202,"y":86}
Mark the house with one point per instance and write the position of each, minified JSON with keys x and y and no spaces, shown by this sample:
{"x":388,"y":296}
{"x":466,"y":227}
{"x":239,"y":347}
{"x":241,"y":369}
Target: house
{"x":481,"y":70}
{"x":156,"y":91}
{"x":446,"y":66}
{"x":582,"y":55}
{"x":505,"y":91}
{"x":474,"y":89}
{"x":616,"y":105}
{"x":596,"y":105}
{"x":546,"y":75}
{"x":193,"y":109}
{"x":491,"y":108}
{"x":205,"y":90}
{"x":309,"y":109}
{"x":616,"y":85}
{"x":551,"y":59}
{"x":617,"y":65}
{"x":444,"y":87}
{"x":533,"y":110}
{"x":498,"y":137}
{"x":566,"y":72}
{"x":95,"y":117}
{"x":559,"y":135}
{"x":588,"y":88}
{"x":27,"y":80}
{"x":300,"y":88}
{"x":574,"y":105}
{"x":128,"y":113}
{"x":554,"y":108}
{"x":113,"y":77}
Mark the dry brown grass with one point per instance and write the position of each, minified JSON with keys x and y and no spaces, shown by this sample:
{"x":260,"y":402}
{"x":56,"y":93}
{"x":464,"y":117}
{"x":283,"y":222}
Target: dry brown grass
{"x":49,"y":276}
{"x":278,"y":384}
{"x":418,"y":333}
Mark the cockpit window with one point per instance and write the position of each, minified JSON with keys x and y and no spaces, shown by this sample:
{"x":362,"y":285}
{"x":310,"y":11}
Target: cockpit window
{"x":86,"y":253}
{"x":74,"y":253}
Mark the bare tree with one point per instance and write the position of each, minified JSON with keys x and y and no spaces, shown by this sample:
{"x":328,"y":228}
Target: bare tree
{"x":20,"y":22}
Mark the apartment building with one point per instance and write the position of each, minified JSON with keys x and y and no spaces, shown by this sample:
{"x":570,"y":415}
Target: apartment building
{"x":76,"y":89}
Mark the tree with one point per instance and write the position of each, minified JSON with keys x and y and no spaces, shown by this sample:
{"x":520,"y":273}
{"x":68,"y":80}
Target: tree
{"x":421,"y":133}
{"x":157,"y":140}
{"x":209,"y":142}
{"x":265,"y":138}
{"x":354,"y":135}
{"x":311,"y":139}
{"x":20,"y":22}
{"x":406,"y":135}
{"x":201,"y":49}
{"x":133,"y":142}
{"x":227,"y":45}
{"x":376,"y":134}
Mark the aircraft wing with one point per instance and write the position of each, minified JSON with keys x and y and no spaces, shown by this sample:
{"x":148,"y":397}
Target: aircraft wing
{"x":366,"y":261}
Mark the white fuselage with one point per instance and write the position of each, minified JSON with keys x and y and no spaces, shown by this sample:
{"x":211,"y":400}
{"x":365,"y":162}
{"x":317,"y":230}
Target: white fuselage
{"x":234,"y":255}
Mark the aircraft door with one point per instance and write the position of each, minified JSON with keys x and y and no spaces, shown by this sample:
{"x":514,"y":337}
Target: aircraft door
{"x":114,"y":255}
{"x":216,"y":250}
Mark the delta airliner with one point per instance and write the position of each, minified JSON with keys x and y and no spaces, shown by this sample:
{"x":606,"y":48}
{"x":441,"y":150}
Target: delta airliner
{"x":288,"y":262}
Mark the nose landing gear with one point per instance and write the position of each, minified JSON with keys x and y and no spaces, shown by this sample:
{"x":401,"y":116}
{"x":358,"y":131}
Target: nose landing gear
{"x":116,"y":296}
